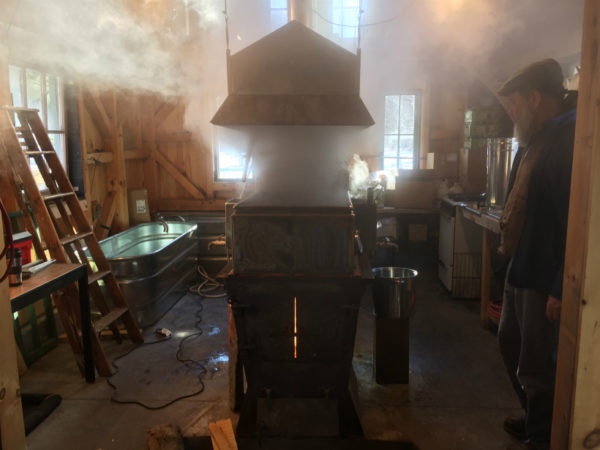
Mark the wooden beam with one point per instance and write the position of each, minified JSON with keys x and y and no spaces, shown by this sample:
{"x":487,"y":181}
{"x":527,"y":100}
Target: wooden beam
{"x":96,"y":110}
{"x":576,"y":420}
{"x":148,"y":143}
{"x":117,"y":179}
{"x":183,"y":180}
{"x":83,"y":144}
{"x":107,"y":214}
{"x":99,"y":157}
{"x":135,"y":154}
{"x":164,"y":111}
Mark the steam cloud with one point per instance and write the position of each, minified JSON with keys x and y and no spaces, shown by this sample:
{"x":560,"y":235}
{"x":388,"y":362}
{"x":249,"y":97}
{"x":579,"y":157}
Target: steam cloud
{"x":177,"y":48}
{"x":296,"y":165}
{"x":139,"y":47}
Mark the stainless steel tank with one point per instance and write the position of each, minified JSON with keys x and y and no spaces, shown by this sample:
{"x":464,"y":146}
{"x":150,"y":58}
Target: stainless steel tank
{"x":500,"y":155}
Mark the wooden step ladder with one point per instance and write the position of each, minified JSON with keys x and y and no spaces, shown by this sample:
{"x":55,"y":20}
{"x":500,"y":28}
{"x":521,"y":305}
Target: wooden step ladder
{"x":65,"y":230}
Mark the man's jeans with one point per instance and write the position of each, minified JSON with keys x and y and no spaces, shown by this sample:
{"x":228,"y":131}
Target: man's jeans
{"x":528,"y":343}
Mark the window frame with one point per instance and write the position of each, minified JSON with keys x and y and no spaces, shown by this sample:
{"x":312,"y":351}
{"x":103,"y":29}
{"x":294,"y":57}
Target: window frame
{"x":216,"y":165}
{"x":338,"y":27}
{"x":62,"y":152}
{"x":417,"y":129}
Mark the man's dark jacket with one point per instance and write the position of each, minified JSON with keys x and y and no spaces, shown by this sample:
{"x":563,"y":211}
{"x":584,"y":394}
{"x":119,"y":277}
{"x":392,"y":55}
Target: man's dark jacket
{"x":538,"y":262}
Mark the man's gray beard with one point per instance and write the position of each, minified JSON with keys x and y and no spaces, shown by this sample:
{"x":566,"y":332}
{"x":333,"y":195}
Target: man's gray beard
{"x":524,"y":127}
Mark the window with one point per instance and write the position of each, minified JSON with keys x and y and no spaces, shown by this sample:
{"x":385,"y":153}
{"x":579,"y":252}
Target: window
{"x":231,"y":161}
{"x":279,"y":13}
{"x":345,"y":18}
{"x":231,"y":165}
{"x":43,"y":91}
{"x":402,"y":131}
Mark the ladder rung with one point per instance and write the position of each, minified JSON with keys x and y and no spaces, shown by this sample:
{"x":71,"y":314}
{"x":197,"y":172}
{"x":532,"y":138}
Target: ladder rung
{"x":106,"y":320}
{"x":52,"y":197}
{"x":75,"y":237}
{"x":47,"y":152}
{"x":97,"y":276}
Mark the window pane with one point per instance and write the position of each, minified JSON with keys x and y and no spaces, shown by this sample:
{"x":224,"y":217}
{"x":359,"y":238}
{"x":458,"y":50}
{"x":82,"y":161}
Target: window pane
{"x":278,"y":18}
{"x":407,"y":114}
{"x":390,"y":146}
{"x":406,"y":147}
{"x":14,"y":80}
{"x":231,"y":164}
{"x":59,"y":146}
{"x":350,"y":18}
{"x":278,"y":4}
{"x":53,"y":105}
{"x":390,"y":163}
{"x":402,"y":123}
{"x":392,"y":108}
{"x":34,"y":89}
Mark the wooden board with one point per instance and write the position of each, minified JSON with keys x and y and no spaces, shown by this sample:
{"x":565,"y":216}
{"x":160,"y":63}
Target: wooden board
{"x":222,"y":435}
{"x":107,"y":213}
{"x":576,"y":420}
{"x":11,"y":413}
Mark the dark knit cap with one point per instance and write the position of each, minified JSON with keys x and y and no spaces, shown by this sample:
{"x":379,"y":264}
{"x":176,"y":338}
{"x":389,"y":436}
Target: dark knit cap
{"x":545,"y":76}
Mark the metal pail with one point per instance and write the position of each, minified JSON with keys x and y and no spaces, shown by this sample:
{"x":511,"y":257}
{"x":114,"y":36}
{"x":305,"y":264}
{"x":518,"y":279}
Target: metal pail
{"x":393,"y":291}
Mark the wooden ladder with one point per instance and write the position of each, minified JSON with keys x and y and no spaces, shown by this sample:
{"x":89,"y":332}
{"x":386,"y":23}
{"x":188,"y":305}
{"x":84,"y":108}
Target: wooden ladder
{"x":66,"y":232}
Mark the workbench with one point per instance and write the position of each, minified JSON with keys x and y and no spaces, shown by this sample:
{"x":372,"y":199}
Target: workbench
{"x":490,"y":222}
{"x":49,"y":280}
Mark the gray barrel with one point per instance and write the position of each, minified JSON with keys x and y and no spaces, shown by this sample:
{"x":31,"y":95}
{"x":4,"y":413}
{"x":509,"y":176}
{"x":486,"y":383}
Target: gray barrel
{"x":393,"y":291}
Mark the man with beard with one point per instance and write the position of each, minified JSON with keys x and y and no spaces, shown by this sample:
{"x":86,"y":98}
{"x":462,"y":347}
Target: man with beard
{"x":533,"y":233}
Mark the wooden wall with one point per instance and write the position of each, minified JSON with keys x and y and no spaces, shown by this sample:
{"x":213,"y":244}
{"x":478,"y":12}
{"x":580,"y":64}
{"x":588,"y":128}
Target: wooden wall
{"x":137,"y":141}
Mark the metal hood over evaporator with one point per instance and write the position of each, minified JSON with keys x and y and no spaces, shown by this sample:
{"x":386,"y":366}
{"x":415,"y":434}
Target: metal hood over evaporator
{"x":293,"y":76}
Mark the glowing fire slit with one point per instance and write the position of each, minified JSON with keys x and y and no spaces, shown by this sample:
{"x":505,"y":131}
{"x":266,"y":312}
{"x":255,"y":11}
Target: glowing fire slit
{"x":295,"y":330}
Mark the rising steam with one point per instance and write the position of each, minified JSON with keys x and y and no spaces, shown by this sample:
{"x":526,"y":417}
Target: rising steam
{"x":177,"y":47}
{"x":132,"y":45}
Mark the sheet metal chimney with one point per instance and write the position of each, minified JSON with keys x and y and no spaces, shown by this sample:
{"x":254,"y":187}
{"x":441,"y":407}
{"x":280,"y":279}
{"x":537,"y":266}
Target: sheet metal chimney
{"x":300,"y":11}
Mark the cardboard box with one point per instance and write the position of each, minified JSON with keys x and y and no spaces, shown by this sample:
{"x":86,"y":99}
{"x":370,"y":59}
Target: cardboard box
{"x":139,"y":211}
{"x":411,"y":194}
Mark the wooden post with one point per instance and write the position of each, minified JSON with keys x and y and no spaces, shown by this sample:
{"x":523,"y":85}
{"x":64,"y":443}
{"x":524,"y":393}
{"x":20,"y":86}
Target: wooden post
{"x":11,"y":413}
{"x":576,"y":420}
{"x":486,"y":268}
{"x":84,"y":152}
{"x":148,"y":141}
{"x":117,"y":178}
{"x":12,"y":427}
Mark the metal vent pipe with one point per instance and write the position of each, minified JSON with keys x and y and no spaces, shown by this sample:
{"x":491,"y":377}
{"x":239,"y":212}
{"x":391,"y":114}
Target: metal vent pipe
{"x":300,"y":11}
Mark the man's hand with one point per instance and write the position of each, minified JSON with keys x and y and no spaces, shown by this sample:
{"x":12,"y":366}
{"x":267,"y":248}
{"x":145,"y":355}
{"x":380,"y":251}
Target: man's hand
{"x":553,"y":308}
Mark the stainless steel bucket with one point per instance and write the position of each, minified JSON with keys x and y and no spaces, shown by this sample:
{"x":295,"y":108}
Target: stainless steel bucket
{"x":393,"y":291}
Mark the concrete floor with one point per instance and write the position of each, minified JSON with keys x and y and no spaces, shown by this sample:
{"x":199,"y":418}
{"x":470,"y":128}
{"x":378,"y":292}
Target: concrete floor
{"x":457,"y":397}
